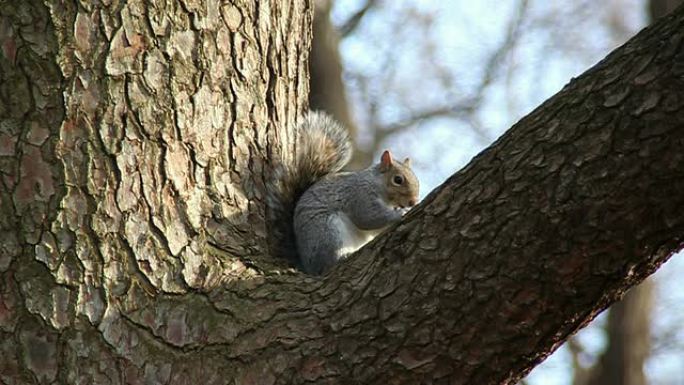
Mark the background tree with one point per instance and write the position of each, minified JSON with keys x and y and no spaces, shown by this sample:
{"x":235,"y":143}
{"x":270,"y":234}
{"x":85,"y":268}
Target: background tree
{"x":327,"y":90}
{"x":138,"y":135}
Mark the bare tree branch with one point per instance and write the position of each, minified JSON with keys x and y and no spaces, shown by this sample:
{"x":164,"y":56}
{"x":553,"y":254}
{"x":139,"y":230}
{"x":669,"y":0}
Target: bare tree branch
{"x":354,"y":20}
{"x":468,"y":106}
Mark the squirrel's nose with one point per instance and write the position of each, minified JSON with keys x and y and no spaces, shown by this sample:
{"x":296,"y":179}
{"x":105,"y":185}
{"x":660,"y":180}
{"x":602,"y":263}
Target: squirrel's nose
{"x":413,"y":202}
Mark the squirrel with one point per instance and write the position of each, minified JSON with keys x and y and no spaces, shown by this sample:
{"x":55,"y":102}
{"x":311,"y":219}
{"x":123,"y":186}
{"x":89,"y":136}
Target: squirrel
{"x":322,"y":214}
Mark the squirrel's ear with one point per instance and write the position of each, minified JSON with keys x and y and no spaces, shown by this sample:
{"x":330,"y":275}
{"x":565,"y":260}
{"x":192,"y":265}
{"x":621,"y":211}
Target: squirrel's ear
{"x":385,"y":161}
{"x":407,"y":162}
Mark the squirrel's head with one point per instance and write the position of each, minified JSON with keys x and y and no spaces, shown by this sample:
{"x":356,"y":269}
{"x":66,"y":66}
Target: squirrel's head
{"x":400,"y":181}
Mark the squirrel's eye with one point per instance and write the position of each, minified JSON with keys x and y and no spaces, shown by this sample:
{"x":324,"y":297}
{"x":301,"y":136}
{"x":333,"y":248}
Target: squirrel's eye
{"x":398,"y":179}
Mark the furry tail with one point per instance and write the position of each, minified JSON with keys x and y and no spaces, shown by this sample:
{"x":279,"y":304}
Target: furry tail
{"x":322,"y":147}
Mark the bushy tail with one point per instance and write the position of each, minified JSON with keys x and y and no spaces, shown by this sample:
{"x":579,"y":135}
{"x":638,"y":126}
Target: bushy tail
{"x":322,"y":147}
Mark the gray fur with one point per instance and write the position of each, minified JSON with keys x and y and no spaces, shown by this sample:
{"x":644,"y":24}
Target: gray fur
{"x":323,"y":215}
{"x":321,"y":239}
{"x":322,"y":147}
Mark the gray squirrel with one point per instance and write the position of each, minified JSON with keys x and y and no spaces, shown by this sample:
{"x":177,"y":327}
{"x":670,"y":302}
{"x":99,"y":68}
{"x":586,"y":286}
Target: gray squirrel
{"x":322,"y":214}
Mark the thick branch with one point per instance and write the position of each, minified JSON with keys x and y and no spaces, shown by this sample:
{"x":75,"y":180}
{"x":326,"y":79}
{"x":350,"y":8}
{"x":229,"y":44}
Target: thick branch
{"x":577,"y":202}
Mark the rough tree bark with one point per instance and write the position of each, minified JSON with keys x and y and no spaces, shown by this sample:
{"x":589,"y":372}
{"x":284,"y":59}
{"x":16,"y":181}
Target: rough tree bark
{"x":135,"y":135}
{"x":628,"y":327}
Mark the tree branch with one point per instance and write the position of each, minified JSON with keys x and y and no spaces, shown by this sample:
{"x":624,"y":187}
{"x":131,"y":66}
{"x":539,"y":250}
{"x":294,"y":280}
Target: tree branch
{"x":496,"y":268}
{"x":466,"y":108}
{"x":354,"y":20}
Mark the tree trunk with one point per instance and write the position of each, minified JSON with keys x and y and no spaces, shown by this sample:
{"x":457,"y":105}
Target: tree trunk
{"x":629,"y":340}
{"x":137,"y":135}
{"x":134,"y":135}
{"x":325,"y":64}
{"x":327,"y":92}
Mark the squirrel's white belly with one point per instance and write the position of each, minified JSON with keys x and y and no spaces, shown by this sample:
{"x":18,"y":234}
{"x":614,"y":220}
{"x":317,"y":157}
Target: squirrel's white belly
{"x":352,"y":237}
